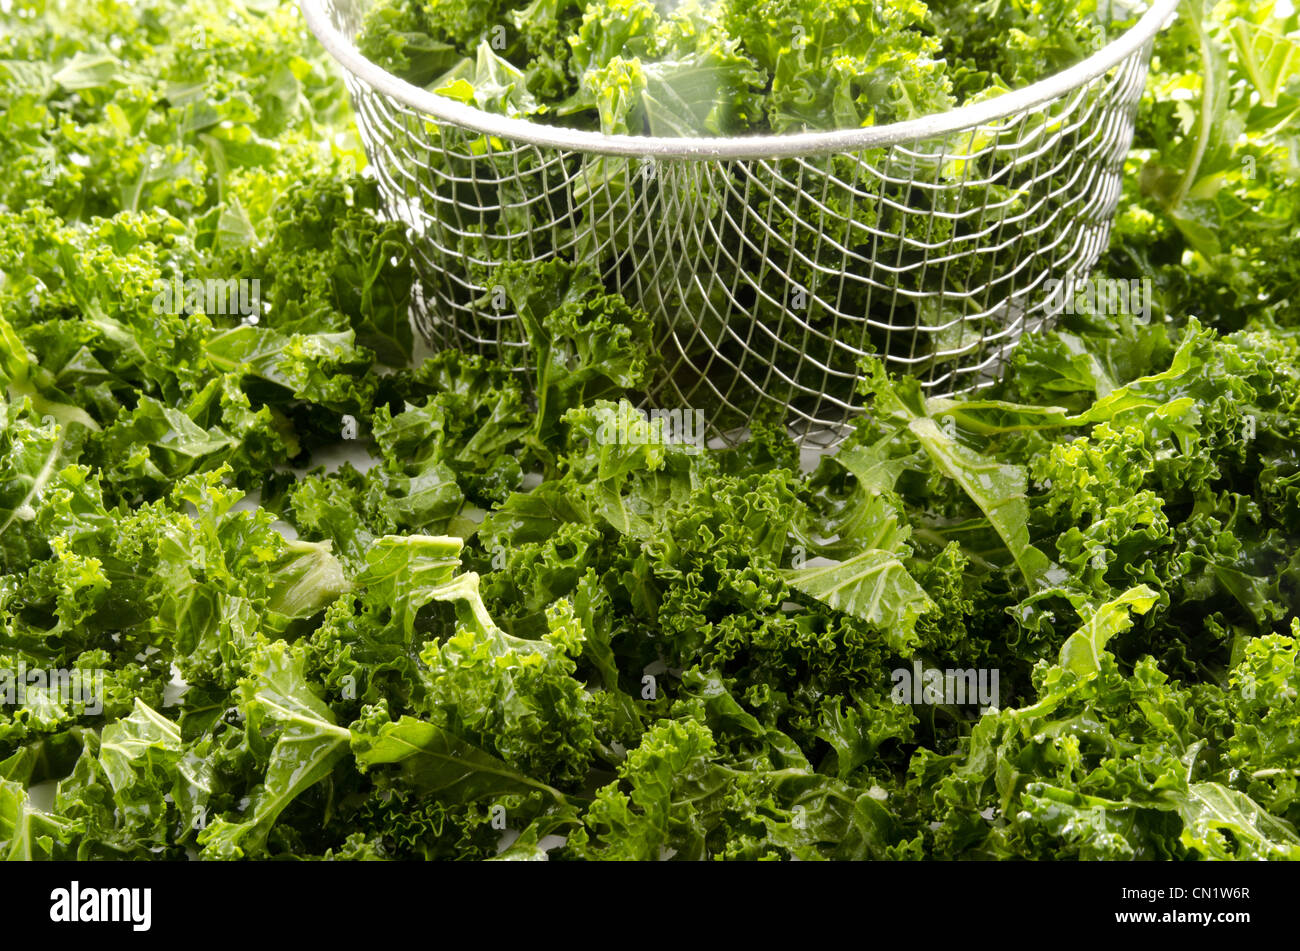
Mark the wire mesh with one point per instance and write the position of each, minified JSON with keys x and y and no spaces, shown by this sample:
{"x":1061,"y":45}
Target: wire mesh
{"x":768,"y":278}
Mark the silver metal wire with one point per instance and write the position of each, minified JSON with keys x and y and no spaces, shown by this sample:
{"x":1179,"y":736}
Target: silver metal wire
{"x":770,"y":264}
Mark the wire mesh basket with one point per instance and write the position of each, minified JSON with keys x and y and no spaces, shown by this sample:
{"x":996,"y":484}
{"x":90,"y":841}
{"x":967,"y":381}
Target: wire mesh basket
{"x":770,"y":264}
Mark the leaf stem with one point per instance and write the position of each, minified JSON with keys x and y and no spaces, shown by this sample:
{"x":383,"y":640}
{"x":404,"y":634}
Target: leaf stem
{"x":1209,"y":91}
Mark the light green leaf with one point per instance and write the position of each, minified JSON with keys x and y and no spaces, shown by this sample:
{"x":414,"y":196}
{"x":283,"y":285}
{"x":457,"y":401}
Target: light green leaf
{"x":27,"y":833}
{"x":1082,"y":650}
{"x":1210,"y":808}
{"x":997,"y":489}
{"x":438,"y":763}
{"x":276,"y":696}
{"x":873,"y":586}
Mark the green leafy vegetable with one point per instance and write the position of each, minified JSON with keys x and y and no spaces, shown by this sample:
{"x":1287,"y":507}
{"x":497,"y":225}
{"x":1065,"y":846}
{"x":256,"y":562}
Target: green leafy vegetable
{"x":277,"y":584}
